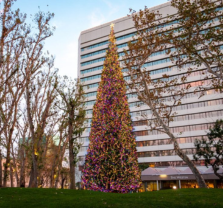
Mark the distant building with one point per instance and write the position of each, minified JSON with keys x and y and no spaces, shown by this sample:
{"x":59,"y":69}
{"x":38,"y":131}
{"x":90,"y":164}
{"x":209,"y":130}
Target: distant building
{"x":194,"y":118}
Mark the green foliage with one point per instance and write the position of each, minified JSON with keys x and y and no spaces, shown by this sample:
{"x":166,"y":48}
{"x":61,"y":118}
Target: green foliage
{"x":211,"y":149}
{"x":143,"y":166}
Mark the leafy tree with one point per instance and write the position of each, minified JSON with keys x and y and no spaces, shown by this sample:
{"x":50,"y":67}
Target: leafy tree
{"x":142,"y":167}
{"x":111,"y":162}
{"x":211,"y":149}
{"x":72,"y":106}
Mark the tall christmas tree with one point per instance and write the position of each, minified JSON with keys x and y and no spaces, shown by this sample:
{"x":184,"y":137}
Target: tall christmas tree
{"x":111,"y":161}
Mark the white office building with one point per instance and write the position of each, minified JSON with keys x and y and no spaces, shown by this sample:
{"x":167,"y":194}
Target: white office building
{"x":194,"y":116}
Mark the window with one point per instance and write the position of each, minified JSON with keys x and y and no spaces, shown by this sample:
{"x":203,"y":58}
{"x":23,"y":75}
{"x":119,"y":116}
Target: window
{"x":90,"y":103}
{"x":91,"y":70}
{"x":92,"y":61}
{"x":90,"y":94}
{"x":90,"y":78}
{"x":90,"y":86}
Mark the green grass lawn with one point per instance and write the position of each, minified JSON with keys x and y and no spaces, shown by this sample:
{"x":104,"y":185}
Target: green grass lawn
{"x":29,"y":198}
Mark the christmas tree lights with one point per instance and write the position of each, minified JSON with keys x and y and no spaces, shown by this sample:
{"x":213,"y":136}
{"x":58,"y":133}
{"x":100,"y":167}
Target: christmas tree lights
{"x":111,"y":161}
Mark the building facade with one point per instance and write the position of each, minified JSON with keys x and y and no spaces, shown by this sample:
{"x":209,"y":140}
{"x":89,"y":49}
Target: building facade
{"x":194,"y":116}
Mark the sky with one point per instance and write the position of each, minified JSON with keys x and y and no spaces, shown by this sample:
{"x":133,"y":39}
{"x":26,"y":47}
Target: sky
{"x":74,"y":16}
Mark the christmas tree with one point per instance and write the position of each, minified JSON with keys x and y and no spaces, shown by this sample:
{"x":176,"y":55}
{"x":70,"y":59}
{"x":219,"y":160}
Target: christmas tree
{"x":111,"y":162}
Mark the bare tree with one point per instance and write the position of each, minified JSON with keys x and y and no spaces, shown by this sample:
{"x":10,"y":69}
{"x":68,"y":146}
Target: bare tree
{"x":23,"y":145}
{"x":72,"y":98}
{"x":40,"y":104}
{"x":197,"y":38}
{"x":162,"y":95}
{"x":21,"y":57}
{"x":12,"y":33}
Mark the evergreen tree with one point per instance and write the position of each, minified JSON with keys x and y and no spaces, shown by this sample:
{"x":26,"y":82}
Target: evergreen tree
{"x":111,"y":161}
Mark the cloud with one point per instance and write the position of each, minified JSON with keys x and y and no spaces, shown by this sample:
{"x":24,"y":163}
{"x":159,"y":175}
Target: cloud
{"x":112,"y":7}
{"x":96,"y":18}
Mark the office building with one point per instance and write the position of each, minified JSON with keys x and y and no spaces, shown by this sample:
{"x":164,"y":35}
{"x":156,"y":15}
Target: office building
{"x":194,"y":116}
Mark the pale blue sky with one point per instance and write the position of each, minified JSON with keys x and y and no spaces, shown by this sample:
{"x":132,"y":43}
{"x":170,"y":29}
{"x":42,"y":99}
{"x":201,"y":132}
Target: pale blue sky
{"x":74,"y":16}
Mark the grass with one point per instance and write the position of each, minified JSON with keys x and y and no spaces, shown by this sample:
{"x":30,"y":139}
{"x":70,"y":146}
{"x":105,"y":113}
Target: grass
{"x":41,"y":198}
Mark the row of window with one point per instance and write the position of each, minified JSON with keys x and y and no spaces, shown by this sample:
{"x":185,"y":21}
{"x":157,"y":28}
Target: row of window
{"x":179,"y":76}
{"x":83,"y":149}
{"x":162,"y":164}
{"x":176,"y":108}
{"x":161,"y":153}
{"x":126,"y":36}
{"x":127,"y":78}
{"x":98,"y":76}
{"x":83,"y":139}
{"x":176,"y":118}
{"x":88,"y":122}
{"x":157,"y":142}
{"x":102,"y":51}
{"x":90,"y":94}
{"x":95,"y":45}
{"x":181,"y":107}
{"x":134,"y":33}
{"x":152,"y":63}
{"x":138,"y":103}
{"x":107,"y":42}
{"x":163,"y":52}
{"x":189,"y":128}
{"x":120,"y":54}
{"x":157,"y":71}
{"x":86,"y":87}
{"x":186,"y":117}
{"x":93,"y":61}
{"x":183,"y":86}
{"x":93,"y":53}
{"x":92,"y":69}
{"x":177,"y":129}
{"x":90,"y":103}
{"x":199,"y":116}
{"x":166,"y":99}
{"x":173,"y":163}
{"x":89,"y":112}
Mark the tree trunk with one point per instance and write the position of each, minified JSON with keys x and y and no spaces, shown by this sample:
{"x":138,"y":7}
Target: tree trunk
{"x":33,"y":177}
{"x":11,"y":175}
{"x":71,"y":155}
{"x":14,"y":166}
{"x":33,"y":183}
{"x":62,"y":181}
{"x":200,"y":180}
{"x":22,"y":167}
{"x":7,"y":159}
{"x":72,"y":165}
{"x":0,"y":168}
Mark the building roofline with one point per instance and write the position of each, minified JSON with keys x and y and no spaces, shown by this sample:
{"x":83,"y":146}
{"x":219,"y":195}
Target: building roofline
{"x":122,"y":18}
